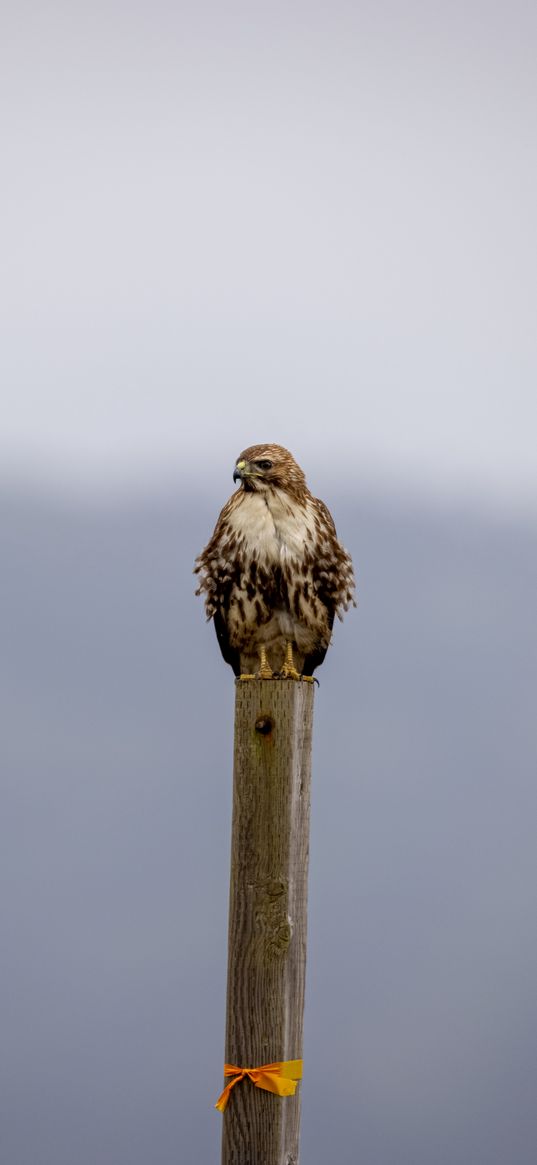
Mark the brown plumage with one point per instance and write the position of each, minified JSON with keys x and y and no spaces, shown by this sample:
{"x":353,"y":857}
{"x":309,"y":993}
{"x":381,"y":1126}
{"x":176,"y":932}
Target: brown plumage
{"x":274,"y":574}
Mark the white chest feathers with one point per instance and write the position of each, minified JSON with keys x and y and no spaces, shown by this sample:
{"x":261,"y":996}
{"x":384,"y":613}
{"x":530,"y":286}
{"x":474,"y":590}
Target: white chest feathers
{"x":272,"y":528}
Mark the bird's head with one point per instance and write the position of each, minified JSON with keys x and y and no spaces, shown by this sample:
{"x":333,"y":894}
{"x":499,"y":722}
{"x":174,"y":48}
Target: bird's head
{"x":265,"y":467}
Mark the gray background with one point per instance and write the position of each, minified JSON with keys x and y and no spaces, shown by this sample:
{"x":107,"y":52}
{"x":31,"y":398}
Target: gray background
{"x":312,"y":224}
{"x":420,"y":1040}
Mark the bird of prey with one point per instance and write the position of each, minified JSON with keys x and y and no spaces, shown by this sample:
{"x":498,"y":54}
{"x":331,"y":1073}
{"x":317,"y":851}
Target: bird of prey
{"x":274,"y":574}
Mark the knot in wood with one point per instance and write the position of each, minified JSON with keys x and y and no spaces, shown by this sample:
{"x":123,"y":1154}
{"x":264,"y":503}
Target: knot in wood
{"x":264,"y":725}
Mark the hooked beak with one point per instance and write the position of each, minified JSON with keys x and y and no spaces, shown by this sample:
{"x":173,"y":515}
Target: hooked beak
{"x":240,"y":471}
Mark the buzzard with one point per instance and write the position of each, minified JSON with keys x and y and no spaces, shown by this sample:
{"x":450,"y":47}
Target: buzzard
{"x":274,"y":574}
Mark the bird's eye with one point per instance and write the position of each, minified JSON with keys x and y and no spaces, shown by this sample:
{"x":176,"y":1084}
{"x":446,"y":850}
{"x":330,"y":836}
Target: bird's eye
{"x":264,"y":464}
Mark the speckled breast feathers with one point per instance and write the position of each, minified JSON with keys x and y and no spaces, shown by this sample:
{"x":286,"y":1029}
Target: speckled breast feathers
{"x":274,"y":571}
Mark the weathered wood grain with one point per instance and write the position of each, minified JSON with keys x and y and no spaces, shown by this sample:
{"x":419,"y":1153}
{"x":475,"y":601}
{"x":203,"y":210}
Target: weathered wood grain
{"x":267,"y":912}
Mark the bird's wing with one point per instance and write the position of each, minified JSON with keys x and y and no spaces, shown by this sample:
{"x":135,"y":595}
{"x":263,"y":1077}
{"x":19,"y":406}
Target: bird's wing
{"x":230,"y":654}
{"x":315,"y":658}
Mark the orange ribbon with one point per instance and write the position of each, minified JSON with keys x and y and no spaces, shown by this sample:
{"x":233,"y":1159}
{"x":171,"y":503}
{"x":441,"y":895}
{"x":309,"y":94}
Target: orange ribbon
{"x":280,"y":1078}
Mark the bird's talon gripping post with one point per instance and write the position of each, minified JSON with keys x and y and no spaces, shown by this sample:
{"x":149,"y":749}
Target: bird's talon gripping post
{"x":289,"y":671}
{"x":265,"y":670}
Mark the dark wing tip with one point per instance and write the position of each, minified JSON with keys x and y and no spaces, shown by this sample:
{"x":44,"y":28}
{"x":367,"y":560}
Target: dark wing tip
{"x":229,"y":653}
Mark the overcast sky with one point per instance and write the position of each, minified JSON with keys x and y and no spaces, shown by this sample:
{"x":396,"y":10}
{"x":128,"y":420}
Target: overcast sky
{"x":310,"y":223}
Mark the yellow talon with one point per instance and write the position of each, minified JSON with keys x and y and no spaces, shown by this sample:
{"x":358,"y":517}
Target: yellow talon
{"x":265,"y":670}
{"x":289,"y":671}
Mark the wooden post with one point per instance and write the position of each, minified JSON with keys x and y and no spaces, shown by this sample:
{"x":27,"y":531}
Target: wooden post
{"x":267,"y":913}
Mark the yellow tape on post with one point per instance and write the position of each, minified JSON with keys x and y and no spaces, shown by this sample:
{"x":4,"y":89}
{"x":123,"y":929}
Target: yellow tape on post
{"x":280,"y":1078}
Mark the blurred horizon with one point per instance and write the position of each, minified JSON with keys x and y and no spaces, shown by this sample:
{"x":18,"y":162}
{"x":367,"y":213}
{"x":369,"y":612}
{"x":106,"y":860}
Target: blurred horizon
{"x":214,"y":485}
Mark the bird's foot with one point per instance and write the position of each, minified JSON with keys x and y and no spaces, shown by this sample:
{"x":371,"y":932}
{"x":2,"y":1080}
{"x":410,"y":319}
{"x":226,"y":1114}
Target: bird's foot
{"x":289,"y":671}
{"x":265,"y":671}
{"x":260,"y":675}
